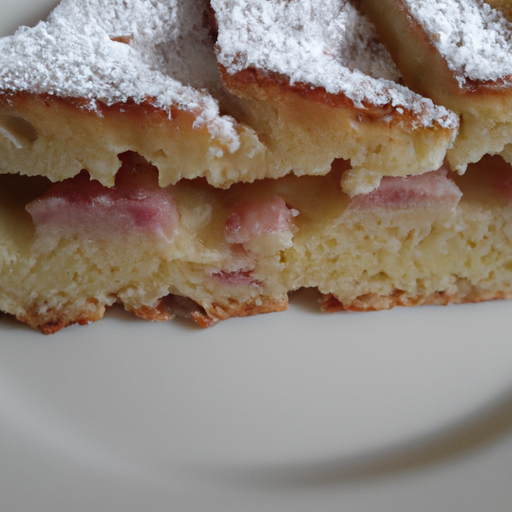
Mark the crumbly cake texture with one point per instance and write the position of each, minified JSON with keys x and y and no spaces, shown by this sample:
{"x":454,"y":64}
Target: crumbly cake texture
{"x":225,"y":259}
{"x":271,"y":53}
{"x":466,"y":46}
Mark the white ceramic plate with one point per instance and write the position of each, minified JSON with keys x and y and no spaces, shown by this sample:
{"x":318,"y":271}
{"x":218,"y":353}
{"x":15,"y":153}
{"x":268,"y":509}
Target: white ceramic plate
{"x":265,"y":405}
{"x":290,"y":411}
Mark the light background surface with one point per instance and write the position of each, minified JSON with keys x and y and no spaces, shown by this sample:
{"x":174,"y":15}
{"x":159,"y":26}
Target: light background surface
{"x":403,"y":410}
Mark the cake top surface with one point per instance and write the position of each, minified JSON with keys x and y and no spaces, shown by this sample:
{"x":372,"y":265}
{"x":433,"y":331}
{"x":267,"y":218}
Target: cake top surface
{"x":116,"y":50}
{"x":474,"y":39}
{"x":327,"y":44}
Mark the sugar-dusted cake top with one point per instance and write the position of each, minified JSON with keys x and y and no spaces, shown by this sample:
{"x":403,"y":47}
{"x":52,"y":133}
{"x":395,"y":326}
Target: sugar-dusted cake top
{"x":300,"y":38}
{"x":474,"y":38}
{"x":118,"y":50}
{"x":327,"y":44}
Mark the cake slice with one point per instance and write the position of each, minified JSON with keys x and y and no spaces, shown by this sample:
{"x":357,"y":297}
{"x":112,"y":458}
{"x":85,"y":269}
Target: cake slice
{"x":459,"y":53}
{"x":70,"y":250}
{"x":317,"y":84}
{"x":144,"y":176}
{"x":102,"y":77}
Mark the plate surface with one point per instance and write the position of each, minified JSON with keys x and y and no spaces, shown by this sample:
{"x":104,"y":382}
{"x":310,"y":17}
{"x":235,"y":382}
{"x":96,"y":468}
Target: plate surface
{"x":291,"y":411}
{"x":250,"y":406}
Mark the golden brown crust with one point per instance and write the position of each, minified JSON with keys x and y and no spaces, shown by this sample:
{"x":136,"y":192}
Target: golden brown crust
{"x":306,"y":128}
{"x":182,"y":307}
{"x":53,"y":320}
{"x":159,"y":313}
{"x":173,"y":306}
{"x":252,"y":82}
{"x":234,"y":309}
{"x":374,"y":302}
{"x":167,"y":308}
{"x":101,"y":132}
{"x":144,"y":111}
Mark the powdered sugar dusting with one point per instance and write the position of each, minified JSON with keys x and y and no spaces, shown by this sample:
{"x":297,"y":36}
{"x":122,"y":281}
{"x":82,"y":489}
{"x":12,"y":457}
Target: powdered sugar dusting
{"x":325,"y":44}
{"x":474,"y":39}
{"x":77,"y":53}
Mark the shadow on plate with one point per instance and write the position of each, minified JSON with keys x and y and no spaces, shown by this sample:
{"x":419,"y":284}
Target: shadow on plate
{"x":306,"y":299}
{"x":484,"y":428}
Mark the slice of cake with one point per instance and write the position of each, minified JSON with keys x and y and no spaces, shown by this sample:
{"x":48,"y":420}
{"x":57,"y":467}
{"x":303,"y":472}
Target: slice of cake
{"x":70,"y":249}
{"x":317,"y":84}
{"x":459,"y":53}
{"x":187,"y":161}
{"x":100,"y":78}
